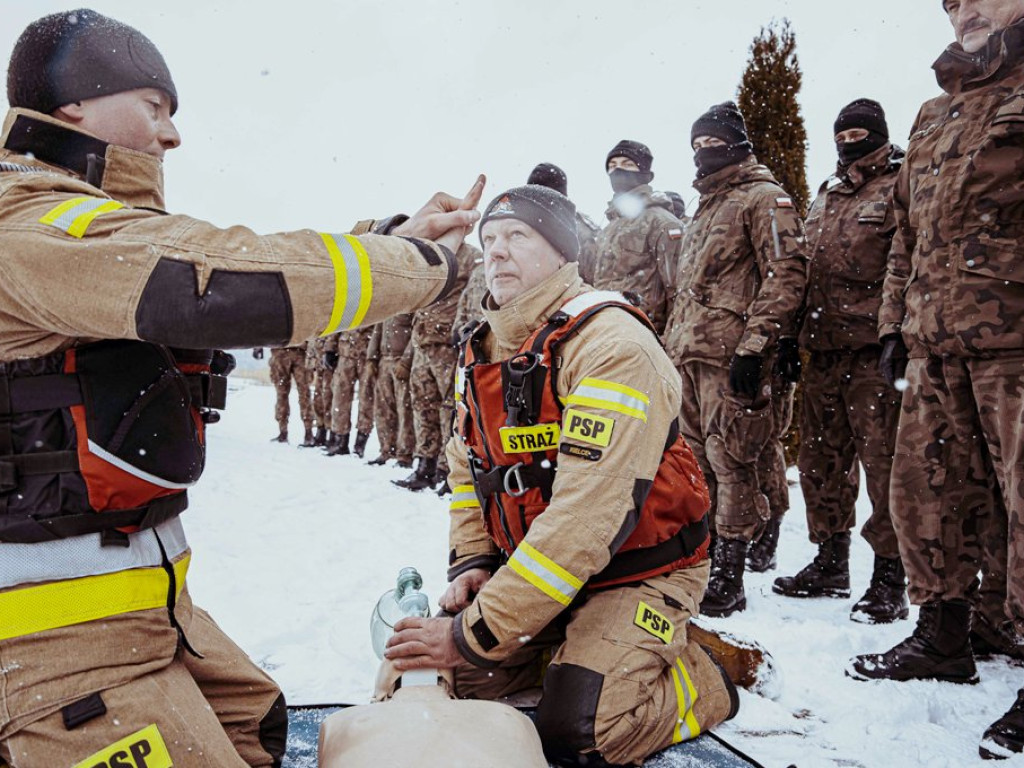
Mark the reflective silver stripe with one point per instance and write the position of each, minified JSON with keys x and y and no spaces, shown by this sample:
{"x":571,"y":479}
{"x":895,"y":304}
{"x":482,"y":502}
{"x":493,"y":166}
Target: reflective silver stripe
{"x":84,"y":556}
{"x":65,"y":220}
{"x":124,"y":466}
{"x":353,"y":282}
{"x":541,"y":576}
{"x":462,"y":500}
{"x":611,"y":396}
{"x":585,"y":301}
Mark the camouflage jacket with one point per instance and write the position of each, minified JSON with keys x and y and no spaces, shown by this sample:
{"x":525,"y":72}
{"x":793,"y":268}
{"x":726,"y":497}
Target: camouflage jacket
{"x":433,"y":324}
{"x":638,"y":251}
{"x":352,"y":345}
{"x":955,"y":282}
{"x":849,"y":233}
{"x":470,"y":308}
{"x":390,"y":339}
{"x":741,"y":275}
{"x":587,"y":231}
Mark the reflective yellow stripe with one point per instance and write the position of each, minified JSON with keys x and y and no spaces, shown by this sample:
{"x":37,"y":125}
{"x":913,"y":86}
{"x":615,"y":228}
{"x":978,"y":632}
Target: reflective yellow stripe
{"x":75,"y":601}
{"x":545,"y":574}
{"x":74,"y":216}
{"x":598,"y":393}
{"x":464,"y":497}
{"x":353,"y":282}
{"x":686,"y":696}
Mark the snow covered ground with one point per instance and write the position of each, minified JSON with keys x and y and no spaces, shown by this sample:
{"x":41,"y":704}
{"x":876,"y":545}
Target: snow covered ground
{"x":292,"y":550}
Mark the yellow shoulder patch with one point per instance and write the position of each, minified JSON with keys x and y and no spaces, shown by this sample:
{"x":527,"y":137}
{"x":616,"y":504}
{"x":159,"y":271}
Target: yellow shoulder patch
{"x":75,"y":215}
{"x":143,"y":749}
{"x":588,"y":427}
{"x":653,"y":623}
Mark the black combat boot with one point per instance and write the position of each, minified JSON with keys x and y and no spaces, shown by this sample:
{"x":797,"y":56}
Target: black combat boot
{"x":1005,"y":736}
{"x":441,"y":482}
{"x":281,"y":438}
{"x":988,"y":639}
{"x":321,"y":437}
{"x":403,"y":462}
{"x":421,"y":477}
{"x":761,"y":555}
{"x":724,"y":595}
{"x":360,"y":445}
{"x":828,"y":574}
{"x":886,"y":598}
{"x":340,"y":445}
{"x":308,"y":441}
{"x":380,"y":461}
{"x":939,"y":649}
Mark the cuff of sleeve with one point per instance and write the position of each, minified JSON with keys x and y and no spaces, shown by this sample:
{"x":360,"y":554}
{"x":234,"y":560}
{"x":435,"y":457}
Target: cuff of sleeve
{"x":464,"y":644}
{"x":889,"y":329}
{"x":387,"y":226}
{"x":752,"y":344}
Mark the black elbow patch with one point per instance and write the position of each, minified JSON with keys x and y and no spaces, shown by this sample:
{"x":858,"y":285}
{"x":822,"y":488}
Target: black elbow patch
{"x":641,"y":490}
{"x":238,"y":309}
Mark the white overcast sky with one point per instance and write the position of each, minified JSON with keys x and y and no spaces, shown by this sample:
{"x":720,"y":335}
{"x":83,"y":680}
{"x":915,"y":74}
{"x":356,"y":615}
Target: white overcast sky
{"x":316,"y":113}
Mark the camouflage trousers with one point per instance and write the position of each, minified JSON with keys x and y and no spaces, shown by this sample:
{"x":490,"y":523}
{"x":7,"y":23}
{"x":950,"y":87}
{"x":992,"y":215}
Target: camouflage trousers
{"x":287,"y":364}
{"x":349,"y":373}
{"x":392,"y":411}
{"x":771,"y":464}
{"x":670,"y":690}
{"x":849,"y":420}
{"x":958,"y":480}
{"x":432,"y":382}
{"x":729,"y":437}
{"x":323,"y":398}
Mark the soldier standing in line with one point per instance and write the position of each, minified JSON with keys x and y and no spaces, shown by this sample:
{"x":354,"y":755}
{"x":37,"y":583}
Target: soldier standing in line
{"x":350,"y":369}
{"x":638,"y":252}
{"x":392,"y":403}
{"x":432,"y":382}
{"x":551,"y":176}
{"x":850,"y":413}
{"x":288,"y":364}
{"x":741,"y":285}
{"x":469,"y":309}
{"x":322,"y":399}
{"x":952,"y":328}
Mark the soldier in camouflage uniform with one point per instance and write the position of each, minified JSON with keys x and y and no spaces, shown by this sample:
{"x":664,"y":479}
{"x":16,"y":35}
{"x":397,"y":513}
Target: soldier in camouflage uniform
{"x":287,"y":364}
{"x":638,"y":251}
{"x":392,"y":404}
{"x":349,"y":357}
{"x":952,"y":324}
{"x":849,"y":412}
{"x":433,"y":381}
{"x":553,"y":177}
{"x":470,"y":309}
{"x":741,"y":285}
{"x":322,"y":399}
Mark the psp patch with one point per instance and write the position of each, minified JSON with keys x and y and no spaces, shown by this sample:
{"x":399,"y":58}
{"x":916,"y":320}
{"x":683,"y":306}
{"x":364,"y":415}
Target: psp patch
{"x":539,"y":437}
{"x":580,"y":451}
{"x":654,"y":623}
{"x":588,"y":427}
{"x":143,"y":749}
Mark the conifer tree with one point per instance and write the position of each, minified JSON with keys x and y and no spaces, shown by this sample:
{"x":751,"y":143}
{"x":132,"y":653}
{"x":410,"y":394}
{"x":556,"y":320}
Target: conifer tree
{"x":768,"y":100}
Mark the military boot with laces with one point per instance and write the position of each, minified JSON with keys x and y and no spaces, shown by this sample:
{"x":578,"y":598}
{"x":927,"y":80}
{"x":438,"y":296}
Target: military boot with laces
{"x":1005,"y":737}
{"x":828,"y":574}
{"x":724,"y":595}
{"x":339,"y":447}
{"x":938,"y":649}
{"x":886,"y":599}
{"x":422,"y":476}
{"x":761,"y":555}
{"x":359,"y":448}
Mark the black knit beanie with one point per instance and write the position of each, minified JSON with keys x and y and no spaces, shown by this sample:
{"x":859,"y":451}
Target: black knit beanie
{"x":551,"y":176}
{"x":76,"y":55}
{"x":723,"y":121}
{"x":862,"y":113}
{"x":551,"y":213}
{"x":632,"y":150}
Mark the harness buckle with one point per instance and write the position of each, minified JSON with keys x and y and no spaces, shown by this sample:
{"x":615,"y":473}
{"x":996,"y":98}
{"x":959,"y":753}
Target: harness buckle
{"x":513,"y":472}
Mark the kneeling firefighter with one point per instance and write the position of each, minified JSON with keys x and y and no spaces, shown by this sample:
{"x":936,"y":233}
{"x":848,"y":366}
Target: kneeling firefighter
{"x":110,"y":312}
{"x":578,"y":514}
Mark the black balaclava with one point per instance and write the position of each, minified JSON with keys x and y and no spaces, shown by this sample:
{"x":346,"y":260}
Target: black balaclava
{"x":722,"y":121}
{"x":861,"y":113}
{"x":623,"y":180}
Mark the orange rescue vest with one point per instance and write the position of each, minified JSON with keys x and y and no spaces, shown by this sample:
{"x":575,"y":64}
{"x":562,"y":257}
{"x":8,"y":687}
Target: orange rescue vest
{"x":509,"y":416}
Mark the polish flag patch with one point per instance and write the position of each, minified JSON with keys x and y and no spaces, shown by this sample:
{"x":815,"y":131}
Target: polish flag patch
{"x":784,"y":202}
{"x":675,"y":234}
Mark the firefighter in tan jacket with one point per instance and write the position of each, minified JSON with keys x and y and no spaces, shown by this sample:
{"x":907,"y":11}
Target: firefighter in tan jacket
{"x":578,"y":512}
{"x":110,"y":308}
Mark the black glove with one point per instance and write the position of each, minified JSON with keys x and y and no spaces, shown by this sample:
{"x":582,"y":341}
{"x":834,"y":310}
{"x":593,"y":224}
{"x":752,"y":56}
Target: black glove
{"x":257,"y":353}
{"x":745,"y":375}
{"x":893,"y":363}
{"x":788,"y":364}
{"x":330,"y":361}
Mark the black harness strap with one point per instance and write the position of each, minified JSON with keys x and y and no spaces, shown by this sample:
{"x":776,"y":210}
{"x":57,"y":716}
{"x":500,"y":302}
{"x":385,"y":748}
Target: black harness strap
{"x":45,"y":393}
{"x":524,"y":476}
{"x":637,"y":561}
{"x":153,"y":514}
